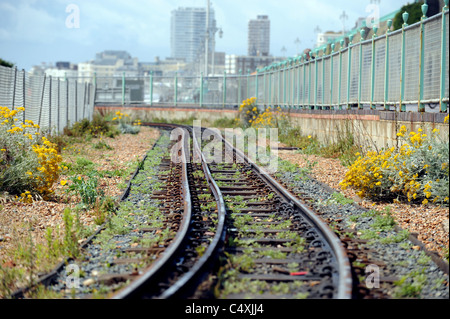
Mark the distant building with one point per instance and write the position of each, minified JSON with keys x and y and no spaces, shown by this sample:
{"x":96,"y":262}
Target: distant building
{"x":188,"y":31}
{"x":236,"y":63}
{"x":60,"y":70}
{"x":110,"y":64}
{"x":259,"y":36}
{"x":166,"y":67}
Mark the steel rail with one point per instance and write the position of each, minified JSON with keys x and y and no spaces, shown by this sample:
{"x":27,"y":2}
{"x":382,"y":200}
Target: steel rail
{"x":210,"y":253}
{"x":138,"y":286}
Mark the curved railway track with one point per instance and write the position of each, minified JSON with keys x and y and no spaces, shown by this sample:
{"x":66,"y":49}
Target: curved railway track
{"x":232,"y":232}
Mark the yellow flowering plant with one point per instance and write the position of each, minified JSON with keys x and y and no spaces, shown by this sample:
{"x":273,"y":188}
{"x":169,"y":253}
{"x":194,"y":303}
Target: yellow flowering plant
{"x":126,"y":125}
{"x":29,"y":162}
{"x":270,"y":118}
{"x":417,"y":171}
{"x":248,"y":112}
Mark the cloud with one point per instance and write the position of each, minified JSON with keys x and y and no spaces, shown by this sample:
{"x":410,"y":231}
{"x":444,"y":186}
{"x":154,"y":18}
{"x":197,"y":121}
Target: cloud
{"x":142,"y":27}
{"x":31,"y":24}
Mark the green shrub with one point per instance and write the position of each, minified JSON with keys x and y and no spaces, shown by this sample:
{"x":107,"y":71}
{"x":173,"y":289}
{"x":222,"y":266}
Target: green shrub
{"x":126,"y":128}
{"x":96,"y":128}
{"x":86,"y":188}
{"x":415,"y":13}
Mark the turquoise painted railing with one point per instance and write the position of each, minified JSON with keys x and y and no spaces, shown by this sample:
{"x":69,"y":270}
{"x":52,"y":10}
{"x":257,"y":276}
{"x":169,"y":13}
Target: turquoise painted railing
{"x":400,"y":70}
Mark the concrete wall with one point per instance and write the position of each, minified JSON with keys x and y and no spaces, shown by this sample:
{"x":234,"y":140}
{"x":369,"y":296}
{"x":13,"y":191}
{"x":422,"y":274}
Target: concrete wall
{"x":371,"y":129}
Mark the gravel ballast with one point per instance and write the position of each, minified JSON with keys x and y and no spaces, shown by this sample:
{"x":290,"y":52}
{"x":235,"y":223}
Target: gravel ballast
{"x":418,"y":275}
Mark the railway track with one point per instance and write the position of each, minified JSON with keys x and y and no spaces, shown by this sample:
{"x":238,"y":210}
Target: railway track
{"x":201,"y":229}
{"x":276,"y":247}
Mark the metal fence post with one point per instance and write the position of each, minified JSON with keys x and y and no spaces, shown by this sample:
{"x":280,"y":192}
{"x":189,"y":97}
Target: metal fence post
{"x":386,"y":67}
{"x":201,"y":89}
{"x":95,"y":90}
{"x":323,"y":78}
{"x":50,"y":104}
{"x":316,"y":78}
{"x":248,"y":84}
{"x":340,"y":74}
{"x":265,"y":86}
{"x":14,"y":88}
{"x":23,"y":96}
{"x":299,"y":73}
{"x":151,"y":88}
{"x":84,"y":100}
{"x":76,"y":100}
{"x":279,"y":83}
{"x":363,"y":34}
{"x":422,"y":57}
{"x":256,"y":84}
{"x":57,"y":110}
{"x":372,"y":81}
{"x":402,"y":77}
{"x":293,"y":78}
{"x":175,"y":96}
{"x":304,"y":81}
{"x":224,"y":88}
{"x":42,"y":100}
{"x":270,"y":85}
{"x":285,"y":68}
{"x":123,"y":89}
{"x":443,"y":105}
{"x":67,"y":99}
{"x":331,"y":76}
{"x":291,"y":83}
{"x":349,"y":69}
{"x":309,"y":81}
{"x":239,"y":87}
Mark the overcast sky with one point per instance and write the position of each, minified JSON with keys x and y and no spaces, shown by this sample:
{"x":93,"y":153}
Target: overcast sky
{"x":35,"y":31}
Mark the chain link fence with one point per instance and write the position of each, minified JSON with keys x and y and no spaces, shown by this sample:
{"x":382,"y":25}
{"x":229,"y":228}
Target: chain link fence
{"x":52,"y":103}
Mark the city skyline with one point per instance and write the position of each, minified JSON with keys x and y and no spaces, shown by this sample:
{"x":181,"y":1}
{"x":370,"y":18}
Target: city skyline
{"x":32,"y":32}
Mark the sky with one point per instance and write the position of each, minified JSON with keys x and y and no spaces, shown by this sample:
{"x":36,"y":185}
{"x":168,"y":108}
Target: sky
{"x":36,"y":31}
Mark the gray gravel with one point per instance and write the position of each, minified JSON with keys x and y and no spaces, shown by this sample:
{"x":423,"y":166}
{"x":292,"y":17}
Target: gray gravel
{"x":419,"y":272}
